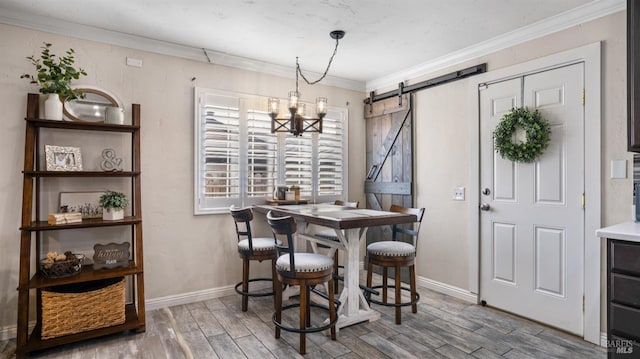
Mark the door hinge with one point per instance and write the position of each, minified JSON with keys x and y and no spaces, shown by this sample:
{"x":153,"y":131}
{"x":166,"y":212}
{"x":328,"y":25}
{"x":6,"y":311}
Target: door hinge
{"x":583,"y":200}
{"x":583,"y":96}
{"x":583,"y":305}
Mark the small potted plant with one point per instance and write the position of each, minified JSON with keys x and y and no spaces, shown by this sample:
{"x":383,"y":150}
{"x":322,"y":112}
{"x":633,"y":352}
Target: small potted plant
{"x":113,"y":204}
{"x":54,"y":75}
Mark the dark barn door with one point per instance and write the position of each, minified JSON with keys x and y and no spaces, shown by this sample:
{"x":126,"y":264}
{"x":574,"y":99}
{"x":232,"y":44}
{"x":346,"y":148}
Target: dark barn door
{"x":389,"y":126}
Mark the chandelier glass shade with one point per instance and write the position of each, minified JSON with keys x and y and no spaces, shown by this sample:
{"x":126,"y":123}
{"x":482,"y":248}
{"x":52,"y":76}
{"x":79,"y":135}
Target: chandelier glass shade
{"x":296,"y":122}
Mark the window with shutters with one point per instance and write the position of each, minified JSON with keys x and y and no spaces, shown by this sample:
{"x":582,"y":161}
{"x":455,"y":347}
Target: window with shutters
{"x":330,"y":179}
{"x":238,"y":161}
{"x":298,"y":163}
{"x":262,"y":155}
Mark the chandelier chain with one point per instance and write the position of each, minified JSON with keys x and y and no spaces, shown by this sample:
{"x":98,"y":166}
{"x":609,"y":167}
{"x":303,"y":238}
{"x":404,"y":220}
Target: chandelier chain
{"x":324,"y":74}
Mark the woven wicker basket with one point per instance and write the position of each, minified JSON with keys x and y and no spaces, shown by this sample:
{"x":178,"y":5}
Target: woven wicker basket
{"x":73,"y":309}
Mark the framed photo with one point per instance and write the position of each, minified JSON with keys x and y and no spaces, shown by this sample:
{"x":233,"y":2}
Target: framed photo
{"x":87,"y":203}
{"x":63,"y":158}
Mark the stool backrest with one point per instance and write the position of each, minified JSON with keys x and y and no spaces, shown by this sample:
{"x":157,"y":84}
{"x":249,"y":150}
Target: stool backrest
{"x":346,"y":204}
{"x":284,"y":227}
{"x":411,"y":231}
{"x":242,"y":218}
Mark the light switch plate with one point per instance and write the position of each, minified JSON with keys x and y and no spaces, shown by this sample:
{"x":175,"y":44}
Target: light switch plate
{"x":458,"y":194}
{"x":619,"y":169}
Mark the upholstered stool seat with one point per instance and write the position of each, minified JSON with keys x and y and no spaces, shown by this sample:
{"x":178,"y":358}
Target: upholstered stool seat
{"x":327,"y":233}
{"x":397,"y":255}
{"x":250,"y":248}
{"x":304,"y":262}
{"x":259,"y":244}
{"x":391,"y":248}
{"x":305,"y":270}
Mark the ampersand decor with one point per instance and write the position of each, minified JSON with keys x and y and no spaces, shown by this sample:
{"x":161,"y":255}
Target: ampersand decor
{"x":109,"y":161}
{"x":538,"y":135}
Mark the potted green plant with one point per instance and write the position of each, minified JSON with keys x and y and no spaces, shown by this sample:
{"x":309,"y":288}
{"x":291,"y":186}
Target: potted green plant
{"x":54,"y":75}
{"x":113,"y":205}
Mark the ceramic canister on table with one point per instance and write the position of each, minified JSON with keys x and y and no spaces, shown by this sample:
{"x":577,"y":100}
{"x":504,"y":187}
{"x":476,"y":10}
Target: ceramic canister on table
{"x":280,"y":192}
{"x":114,"y":115}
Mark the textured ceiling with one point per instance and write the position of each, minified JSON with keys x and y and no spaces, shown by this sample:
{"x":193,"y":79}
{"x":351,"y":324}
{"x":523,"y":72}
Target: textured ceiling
{"x":382,"y":37}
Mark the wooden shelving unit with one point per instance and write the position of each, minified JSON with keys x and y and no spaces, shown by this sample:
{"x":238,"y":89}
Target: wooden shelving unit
{"x":33,"y":227}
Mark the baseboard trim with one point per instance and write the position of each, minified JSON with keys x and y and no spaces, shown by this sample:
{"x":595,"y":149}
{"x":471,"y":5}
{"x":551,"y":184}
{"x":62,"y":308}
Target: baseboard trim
{"x":186,"y":298}
{"x":8,"y":332}
{"x":447,"y":289}
{"x":603,"y":339}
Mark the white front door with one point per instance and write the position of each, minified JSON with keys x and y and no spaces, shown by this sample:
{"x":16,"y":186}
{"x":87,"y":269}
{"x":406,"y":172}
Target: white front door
{"x":532,"y":240}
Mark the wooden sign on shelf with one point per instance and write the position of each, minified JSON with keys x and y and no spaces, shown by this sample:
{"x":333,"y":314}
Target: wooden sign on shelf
{"x":111,"y":255}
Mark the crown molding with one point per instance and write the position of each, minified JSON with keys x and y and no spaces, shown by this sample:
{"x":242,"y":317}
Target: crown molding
{"x":91,"y":33}
{"x":583,"y":14}
{"x":588,"y":12}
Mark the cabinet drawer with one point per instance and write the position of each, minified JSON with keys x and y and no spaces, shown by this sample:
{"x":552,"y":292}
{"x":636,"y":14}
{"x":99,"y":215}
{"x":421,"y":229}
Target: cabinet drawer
{"x":625,"y":256}
{"x":625,"y":290}
{"x":624,"y":320}
{"x":622,"y":348}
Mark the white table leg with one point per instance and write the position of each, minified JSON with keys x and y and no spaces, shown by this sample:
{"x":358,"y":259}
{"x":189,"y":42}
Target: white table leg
{"x":352,"y":274}
{"x":354,"y":307}
{"x":300,"y":244}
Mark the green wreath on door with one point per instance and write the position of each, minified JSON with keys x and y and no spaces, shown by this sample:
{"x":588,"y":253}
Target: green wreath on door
{"x":538,"y":135}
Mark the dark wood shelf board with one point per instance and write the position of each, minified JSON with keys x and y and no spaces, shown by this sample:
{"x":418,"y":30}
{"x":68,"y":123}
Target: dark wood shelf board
{"x":86,"y":274}
{"x":86,"y":126}
{"x":81,"y":174}
{"x":35,"y":341}
{"x":86,"y":223}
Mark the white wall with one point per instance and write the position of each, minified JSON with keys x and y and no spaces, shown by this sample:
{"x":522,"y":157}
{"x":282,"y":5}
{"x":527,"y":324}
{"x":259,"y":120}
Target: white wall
{"x":183,"y":253}
{"x":442,"y":163}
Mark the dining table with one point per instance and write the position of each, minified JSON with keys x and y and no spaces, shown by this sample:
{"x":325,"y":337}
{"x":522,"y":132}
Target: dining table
{"x":350,"y":226}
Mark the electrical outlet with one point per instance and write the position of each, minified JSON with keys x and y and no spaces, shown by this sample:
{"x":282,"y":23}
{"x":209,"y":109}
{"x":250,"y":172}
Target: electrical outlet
{"x":134,"y":62}
{"x":458,"y":194}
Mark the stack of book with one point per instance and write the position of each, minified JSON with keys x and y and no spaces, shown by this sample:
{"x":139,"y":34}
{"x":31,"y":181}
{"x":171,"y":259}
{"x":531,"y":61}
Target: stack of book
{"x":65,"y":218}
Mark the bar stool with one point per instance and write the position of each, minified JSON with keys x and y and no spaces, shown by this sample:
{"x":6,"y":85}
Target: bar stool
{"x":330,"y":234}
{"x":305,"y":270}
{"x":396,"y":254}
{"x":249,"y":249}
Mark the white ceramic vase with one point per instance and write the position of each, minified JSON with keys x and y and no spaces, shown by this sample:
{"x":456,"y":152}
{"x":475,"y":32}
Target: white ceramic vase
{"x":114,"y":116}
{"x":53,"y":107}
{"x":110,"y":214}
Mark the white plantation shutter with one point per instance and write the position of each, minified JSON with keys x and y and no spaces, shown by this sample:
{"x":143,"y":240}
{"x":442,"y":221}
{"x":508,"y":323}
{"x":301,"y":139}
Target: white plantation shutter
{"x":238,"y":161}
{"x":299,"y":163}
{"x":331,"y":156}
{"x":218,"y":131}
{"x":262,"y":155}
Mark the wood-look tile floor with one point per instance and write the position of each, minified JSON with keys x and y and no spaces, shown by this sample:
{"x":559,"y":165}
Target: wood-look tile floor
{"x":444,"y":327}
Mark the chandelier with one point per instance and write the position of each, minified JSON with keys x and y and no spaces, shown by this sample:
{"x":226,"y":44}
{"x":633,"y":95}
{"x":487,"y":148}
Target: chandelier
{"x":297,"y":123}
